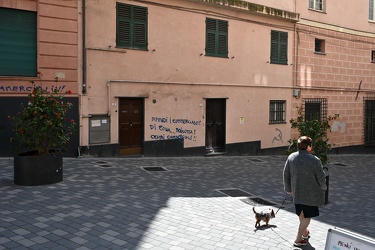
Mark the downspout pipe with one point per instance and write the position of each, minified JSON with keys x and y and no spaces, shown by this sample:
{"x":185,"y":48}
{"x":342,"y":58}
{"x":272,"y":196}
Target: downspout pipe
{"x":84,"y":47}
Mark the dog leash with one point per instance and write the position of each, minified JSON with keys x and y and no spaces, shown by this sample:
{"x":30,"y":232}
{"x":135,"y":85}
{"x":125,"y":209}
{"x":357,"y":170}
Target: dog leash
{"x":282,"y":204}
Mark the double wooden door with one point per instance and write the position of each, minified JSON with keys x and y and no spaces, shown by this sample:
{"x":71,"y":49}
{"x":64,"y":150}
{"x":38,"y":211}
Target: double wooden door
{"x":131,"y":126}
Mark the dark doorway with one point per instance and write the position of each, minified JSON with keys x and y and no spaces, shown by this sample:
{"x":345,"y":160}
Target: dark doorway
{"x":369,"y":123}
{"x":131,"y":126}
{"x":215,"y":126}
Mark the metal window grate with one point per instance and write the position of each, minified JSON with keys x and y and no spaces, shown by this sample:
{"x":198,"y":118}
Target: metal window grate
{"x":315,"y":108}
{"x":277,"y":111}
{"x":369,"y":119}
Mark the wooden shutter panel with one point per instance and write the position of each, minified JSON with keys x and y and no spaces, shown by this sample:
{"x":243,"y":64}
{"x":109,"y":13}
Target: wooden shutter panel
{"x":123,"y":25}
{"x":283,"y":48}
{"x":140,"y":27}
{"x":222,"y":49}
{"x":210,"y":36}
{"x":274,"y":46}
{"x":18,"y":42}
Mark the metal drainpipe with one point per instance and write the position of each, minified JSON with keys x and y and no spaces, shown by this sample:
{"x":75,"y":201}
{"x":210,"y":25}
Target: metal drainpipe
{"x":83,"y":47}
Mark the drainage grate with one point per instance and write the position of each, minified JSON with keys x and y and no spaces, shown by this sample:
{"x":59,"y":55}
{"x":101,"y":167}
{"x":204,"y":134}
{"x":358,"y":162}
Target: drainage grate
{"x":256,"y":200}
{"x":154,"y":169}
{"x":102,"y":162}
{"x":256,"y":160}
{"x":105,"y":166}
{"x":234,"y":192}
{"x":340,"y":164}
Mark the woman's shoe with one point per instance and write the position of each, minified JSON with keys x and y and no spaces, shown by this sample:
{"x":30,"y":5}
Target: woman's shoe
{"x":301,"y":243}
{"x":306,"y":237}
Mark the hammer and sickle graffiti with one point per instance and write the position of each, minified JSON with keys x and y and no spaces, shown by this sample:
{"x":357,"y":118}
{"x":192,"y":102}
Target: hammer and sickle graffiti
{"x":278,"y":137}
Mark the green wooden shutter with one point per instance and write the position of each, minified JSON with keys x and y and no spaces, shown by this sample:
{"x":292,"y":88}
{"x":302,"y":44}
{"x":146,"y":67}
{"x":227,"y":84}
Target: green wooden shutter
{"x":131,"y":29}
{"x":279,"y":47}
{"x":140,"y":27}
{"x":283,"y":47}
{"x":123,"y":33}
{"x":274,"y":46}
{"x":216,"y":38}
{"x":18,"y":42}
{"x":222,"y":47}
{"x":210,"y":36}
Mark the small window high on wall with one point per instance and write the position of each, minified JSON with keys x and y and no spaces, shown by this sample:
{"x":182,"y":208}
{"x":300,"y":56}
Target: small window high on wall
{"x":316,"y":5}
{"x":371,"y":10}
{"x":18,"y":42}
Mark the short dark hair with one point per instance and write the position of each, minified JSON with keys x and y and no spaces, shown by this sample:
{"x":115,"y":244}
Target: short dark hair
{"x":304,"y":142}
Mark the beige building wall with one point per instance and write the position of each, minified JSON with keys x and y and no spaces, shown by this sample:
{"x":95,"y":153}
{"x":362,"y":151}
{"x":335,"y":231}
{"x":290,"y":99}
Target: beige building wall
{"x":175,"y":77}
{"x":344,"y":73}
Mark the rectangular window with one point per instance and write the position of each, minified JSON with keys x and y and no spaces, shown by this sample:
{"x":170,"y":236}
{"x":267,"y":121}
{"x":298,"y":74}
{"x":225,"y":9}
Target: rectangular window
{"x":279,"y":47}
{"x":315,"y":109}
{"x":277,"y":111}
{"x":320,"y":46}
{"x":316,"y":5}
{"x":371,"y":10}
{"x":18,"y":42}
{"x":131,"y":26}
{"x":216,"y":38}
{"x":373,"y":56}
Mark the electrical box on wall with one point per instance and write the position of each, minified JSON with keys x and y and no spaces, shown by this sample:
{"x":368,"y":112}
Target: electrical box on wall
{"x":99,"y":131}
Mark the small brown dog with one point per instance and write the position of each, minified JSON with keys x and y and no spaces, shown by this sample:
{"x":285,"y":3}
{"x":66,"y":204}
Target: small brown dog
{"x":263,"y":216}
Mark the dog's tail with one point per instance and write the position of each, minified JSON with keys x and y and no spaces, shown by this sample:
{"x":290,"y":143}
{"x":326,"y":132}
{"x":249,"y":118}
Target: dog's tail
{"x":254,"y":210}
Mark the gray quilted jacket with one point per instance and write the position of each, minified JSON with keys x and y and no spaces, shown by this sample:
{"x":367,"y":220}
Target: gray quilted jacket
{"x":305,"y":178}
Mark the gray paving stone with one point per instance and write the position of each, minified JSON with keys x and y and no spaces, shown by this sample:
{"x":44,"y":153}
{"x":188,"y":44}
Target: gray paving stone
{"x":125,"y":207}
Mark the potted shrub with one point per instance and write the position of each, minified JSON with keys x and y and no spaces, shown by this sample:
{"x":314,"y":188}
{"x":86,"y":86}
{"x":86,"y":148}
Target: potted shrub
{"x":317,"y":130}
{"x":41,"y":133}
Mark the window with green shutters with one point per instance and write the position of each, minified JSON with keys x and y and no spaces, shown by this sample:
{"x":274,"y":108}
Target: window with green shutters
{"x":216,"y":38}
{"x":18,"y":42}
{"x":131,"y":27}
{"x":279,"y":47}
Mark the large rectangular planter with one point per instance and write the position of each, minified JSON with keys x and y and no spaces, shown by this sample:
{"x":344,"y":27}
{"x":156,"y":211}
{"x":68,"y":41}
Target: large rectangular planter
{"x":33,"y":170}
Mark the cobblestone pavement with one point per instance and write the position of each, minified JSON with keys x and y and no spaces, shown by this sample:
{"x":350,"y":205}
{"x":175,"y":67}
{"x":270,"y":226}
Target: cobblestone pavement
{"x":114,"y":203}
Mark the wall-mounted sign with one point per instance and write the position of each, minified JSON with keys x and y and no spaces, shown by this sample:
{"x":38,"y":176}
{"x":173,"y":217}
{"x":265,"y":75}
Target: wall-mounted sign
{"x":242,"y":120}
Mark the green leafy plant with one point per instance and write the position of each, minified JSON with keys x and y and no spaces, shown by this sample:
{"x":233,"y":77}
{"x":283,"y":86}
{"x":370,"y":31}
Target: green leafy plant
{"x":41,"y":125}
{"x":317,"y":130}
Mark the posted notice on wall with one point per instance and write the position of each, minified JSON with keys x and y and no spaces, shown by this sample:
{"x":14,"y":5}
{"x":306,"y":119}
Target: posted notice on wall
{"x":340,"y":239}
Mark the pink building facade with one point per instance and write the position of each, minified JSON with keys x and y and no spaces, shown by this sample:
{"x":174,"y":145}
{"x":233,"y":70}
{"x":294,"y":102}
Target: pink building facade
{"x":171,"y":78}
{"x":37,"y":36}
{"x":199,"y":77}
{"x":335,"y":68}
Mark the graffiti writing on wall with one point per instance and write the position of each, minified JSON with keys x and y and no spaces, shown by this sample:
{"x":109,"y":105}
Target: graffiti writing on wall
{"x":29,"y":88}
{"x":165,"y":128}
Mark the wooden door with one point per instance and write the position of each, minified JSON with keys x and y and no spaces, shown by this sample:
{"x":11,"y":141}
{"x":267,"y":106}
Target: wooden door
{"x":131,"y":126}
{"x":215,"y":125}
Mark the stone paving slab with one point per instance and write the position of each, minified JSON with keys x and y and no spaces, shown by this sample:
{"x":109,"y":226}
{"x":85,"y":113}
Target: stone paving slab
{"x":114,"y":203}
